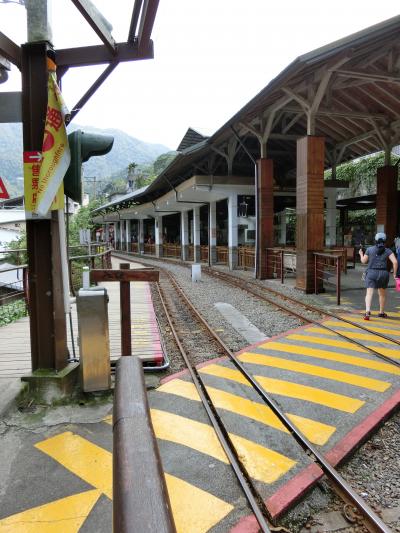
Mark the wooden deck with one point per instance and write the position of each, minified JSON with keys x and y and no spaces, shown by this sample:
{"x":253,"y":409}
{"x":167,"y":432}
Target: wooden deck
{"x":15,"y":356}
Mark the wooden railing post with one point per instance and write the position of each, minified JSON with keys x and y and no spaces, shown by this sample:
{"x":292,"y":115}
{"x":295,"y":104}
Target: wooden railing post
{"x":125,"y":307}
{"x":338,"y":268}
{"x":315,"y":275}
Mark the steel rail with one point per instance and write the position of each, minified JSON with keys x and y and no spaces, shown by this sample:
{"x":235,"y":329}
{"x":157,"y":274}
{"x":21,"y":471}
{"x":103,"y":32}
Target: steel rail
{"x":371,"y":520}
{"x":323,"y":312}
{"x":233,"y":281}
{"x":255,"y":501}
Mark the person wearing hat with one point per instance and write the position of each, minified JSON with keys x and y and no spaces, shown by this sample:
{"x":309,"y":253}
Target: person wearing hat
{"x":377,"y":275}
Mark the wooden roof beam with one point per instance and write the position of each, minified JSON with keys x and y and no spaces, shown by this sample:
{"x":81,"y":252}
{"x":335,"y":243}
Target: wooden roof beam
{"x":379,"y":102}
{"x":369,"y":75}
{"x":97,"y":22}
{"x":341,"y":113}
{"x":10,"y":50}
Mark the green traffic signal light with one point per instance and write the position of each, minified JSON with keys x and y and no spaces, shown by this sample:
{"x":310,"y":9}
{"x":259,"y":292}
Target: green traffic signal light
{"x":83,"y":146}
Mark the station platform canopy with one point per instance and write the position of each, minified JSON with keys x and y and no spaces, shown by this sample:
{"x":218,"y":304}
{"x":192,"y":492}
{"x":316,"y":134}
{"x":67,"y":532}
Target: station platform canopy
{"x":347,"y":92}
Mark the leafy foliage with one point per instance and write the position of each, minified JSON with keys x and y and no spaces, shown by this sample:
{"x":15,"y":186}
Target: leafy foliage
{"x":12,"y":312}
{"x":21,"y":257}
{"x":82,"y":220}
{"x":361,"y":175}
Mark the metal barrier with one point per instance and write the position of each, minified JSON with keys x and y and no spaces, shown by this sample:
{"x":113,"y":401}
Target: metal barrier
{"x":326,"y":268}
{"x":14,"y":296}
{"x":140,"y":496}
{"x":280,"y":262}
{"x":76,"y":264}
{"x":15,"y":257}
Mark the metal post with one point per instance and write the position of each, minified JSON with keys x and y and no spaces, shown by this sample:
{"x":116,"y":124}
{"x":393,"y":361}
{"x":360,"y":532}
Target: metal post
{"x":46,"y":309}
{"x":125,"y":305}
{"x":282,"y":265}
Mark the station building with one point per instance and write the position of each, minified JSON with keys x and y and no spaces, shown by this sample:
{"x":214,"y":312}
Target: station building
{"x":257,"y":185}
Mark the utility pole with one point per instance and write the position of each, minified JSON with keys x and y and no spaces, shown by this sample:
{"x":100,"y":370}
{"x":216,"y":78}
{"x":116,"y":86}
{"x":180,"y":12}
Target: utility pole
{"x":92,"y":179}
{"x":46,"y":306}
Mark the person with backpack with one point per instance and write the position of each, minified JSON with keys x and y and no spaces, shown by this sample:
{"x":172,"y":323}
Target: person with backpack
{"x":377,"y":275}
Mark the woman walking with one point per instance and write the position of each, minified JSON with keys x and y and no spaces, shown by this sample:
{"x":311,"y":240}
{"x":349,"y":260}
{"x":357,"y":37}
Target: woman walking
{"x":377,"y":275}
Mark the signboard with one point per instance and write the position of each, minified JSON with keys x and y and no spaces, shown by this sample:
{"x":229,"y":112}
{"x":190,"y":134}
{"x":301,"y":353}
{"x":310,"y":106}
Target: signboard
{"x":44,"y":170}
{"x":3,"y":191}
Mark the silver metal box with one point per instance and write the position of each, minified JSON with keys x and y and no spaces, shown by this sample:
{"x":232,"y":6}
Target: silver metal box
{"x":94,"y":341}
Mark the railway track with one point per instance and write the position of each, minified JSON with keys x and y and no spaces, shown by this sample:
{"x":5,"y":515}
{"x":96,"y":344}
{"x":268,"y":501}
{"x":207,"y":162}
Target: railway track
{"x":255,"y":289}
{"x":180,"y":314}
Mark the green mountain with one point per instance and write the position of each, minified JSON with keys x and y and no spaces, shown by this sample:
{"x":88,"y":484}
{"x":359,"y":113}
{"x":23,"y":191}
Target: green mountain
{"x":126,"y":149}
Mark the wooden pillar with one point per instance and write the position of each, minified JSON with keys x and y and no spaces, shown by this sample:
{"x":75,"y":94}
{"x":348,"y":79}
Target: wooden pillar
{"x":265,"y":196}
{"x":387,"y":208}
{"x":310,"y":208}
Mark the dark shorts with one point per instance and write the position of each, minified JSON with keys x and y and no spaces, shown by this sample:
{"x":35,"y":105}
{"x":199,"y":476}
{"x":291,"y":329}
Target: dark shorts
{"x":377,"y":279}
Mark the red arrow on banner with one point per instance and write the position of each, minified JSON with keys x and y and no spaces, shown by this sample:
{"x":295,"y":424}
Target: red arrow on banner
{"x":3,"y":191}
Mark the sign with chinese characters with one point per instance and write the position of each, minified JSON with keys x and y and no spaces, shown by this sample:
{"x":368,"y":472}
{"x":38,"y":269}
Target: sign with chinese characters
{"x":44,"y":170}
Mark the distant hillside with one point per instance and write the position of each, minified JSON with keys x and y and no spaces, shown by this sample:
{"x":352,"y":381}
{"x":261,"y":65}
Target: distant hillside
{"x":126,"y":149}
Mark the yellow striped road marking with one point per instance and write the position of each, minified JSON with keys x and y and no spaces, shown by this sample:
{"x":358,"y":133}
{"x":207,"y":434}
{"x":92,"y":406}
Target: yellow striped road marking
{"x":190,"y":433}
{"x":66,"y":515}
{"x":332,"y":356}
{"x":313,"y":370}
{"x":376,"y":320}
{"x":89,"y":464}
{"x":262,"y":463}
{"x":194,"y":510}
{"x":326,"y":342}
{"x":316,"y":432}
{"x":394,"y":354}
{"x":374,"y":315}
{"x":350,"y":334}
{"x":368,"y":325}
{"x":291,"y":390}
{"x":86,"y":460}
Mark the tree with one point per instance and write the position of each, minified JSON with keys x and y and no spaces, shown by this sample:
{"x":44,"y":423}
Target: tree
{"x":82,"y":220}
{"x":361,"y":174}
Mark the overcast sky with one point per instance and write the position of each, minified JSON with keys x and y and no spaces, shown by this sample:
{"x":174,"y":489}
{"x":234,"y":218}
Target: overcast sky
{"x":211,"y":57}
